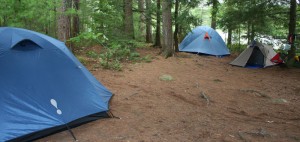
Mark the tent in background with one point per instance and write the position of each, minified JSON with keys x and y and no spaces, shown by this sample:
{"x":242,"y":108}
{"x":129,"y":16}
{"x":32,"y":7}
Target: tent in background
{"x":43,"y":87}
{"x":256,"y":55}
{"x":204,"y":40}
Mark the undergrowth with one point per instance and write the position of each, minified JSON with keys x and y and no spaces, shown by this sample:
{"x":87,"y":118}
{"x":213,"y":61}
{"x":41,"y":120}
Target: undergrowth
{"x":115,"y":51}
{"x":236,"y":48}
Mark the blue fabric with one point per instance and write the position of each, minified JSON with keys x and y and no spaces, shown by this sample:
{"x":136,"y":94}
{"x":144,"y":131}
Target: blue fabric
{"x":195,"y":42}
{"x":36,"y":73}
{"x":254,"y":66}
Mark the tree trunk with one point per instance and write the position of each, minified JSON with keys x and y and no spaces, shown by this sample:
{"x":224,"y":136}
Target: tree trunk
{"x":47,"y":21}
{"x":167,"y":28}
{"x":55,"y":24}
{"x":128,"y":19}
{"x":252,"y":36}
{"x":292,"y":28}
{"x":4,"y":21}
{"x":214,"y":14}
{"x":63,"y":22}
{"x":76,"y":23}
{"x":239,"y":32}
{"x":158,"y":26}
{"x":142,"y":27}
{"x":148,"y":22}
{"x":1,"y":22}
{"x":248,"y":33}
{"x":176,"y":26}
{"x":229,"y":39}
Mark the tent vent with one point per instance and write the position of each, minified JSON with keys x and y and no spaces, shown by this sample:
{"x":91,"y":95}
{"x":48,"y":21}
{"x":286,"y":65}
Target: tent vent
{"x":26,"y":45}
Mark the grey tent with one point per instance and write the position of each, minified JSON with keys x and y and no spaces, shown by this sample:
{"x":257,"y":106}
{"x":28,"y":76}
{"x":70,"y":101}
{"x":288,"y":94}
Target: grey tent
{"x":256,"y":55}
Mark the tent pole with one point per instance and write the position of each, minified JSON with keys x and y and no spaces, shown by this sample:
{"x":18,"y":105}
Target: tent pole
{"x":71,"y":132}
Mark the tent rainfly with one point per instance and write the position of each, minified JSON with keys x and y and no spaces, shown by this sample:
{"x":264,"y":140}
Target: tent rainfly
{"x":204,"y":40}
{"x":256,"y":55}
{"x":43,"y":87}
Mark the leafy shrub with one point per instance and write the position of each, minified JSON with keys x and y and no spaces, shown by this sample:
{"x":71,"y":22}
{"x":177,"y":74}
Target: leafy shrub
{"x":92,"y":54}
{"x":88,"y":39}
{"x":134,"y":56}
{"x":298,"y":51}
{"x":118,"y":51}
{"x":137,"y":44}
{"x":236,"y":48}
{"x":147,"y":59}
{"x":131,"y":44}
{"x":112,"y":57}
{"x":115,"y":64}
{"x":82,"y":60}
{"x":115,"y":50}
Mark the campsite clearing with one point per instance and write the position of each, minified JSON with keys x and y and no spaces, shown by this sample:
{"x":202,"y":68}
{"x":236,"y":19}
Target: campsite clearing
{"x":207,"y":100}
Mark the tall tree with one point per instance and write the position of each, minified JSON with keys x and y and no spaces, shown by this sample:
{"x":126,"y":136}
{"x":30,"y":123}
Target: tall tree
{"x":148,"y":22}
{"x":167,"y":28}
{"x":292,"y":28}
{"x":158,"y":24}
{"x":176,"y":13}
{"x":142,"y":27}
{"x":105,"y":17}
{"x":214,"y":12}
{"x":253,"y":16}
{"x":63,"y":22}
{"x":128,"y":19}
{"x":229,"y":37}
{"x":185,"y":19}
{"x":75,"y":29}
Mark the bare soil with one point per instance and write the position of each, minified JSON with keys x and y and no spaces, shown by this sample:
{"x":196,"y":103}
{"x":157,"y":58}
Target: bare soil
{"x":207,"y":100}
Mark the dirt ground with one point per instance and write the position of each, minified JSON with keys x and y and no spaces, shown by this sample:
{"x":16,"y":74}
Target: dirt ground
{"x":208,"y":100}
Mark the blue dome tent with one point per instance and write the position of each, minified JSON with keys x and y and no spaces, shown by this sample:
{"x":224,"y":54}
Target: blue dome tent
{"x":204,"y":40}
{"x":43,"y":87}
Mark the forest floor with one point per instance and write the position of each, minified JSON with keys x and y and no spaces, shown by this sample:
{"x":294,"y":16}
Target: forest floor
{"x":207,"y":100}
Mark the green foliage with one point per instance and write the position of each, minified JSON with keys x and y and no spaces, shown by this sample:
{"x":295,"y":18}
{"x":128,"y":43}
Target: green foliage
{"x":105,"y":16}
{"x":236,"y":48}
{"x":147,"y":59}
{"x":88,"y":39}
{"x":92,"y":54}
{"x":114,"y":64}
{"x":31,"y":14}
{"x":82,"y":60}
{"x":292,"y":62}
{"x":189,"y":16}
{"x":103,"y":20}
{"x":134,"y":55}
{"x":118,"y":51}
{"x":115,"y":53}
{"x":254,"y":18}
{"x":298,"y":51}
{"x":135,"y":44}
{"x":188,"y":21}
{"x":296,"y":64}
